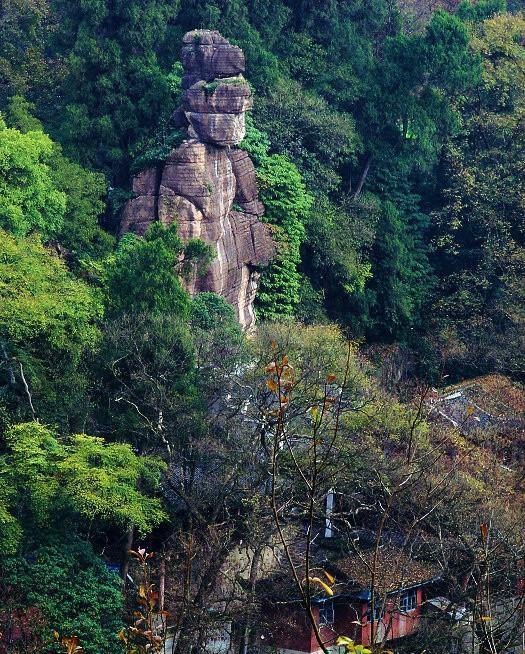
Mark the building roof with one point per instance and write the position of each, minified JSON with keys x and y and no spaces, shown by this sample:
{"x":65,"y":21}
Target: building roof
{"x":488,"y":403}
{"x":394,"y":571}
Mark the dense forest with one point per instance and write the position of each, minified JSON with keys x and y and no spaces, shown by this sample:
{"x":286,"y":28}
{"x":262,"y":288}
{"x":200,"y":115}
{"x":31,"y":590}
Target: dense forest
{"x":151,"y":453}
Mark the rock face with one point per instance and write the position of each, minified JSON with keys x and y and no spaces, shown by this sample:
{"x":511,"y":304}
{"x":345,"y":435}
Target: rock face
{"x":201,"y":180}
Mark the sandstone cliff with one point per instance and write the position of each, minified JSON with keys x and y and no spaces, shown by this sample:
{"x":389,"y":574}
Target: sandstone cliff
{"x":200,"y":181}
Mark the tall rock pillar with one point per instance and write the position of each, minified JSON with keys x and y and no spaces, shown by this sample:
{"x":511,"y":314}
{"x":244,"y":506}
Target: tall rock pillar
{"x":200,"y":180}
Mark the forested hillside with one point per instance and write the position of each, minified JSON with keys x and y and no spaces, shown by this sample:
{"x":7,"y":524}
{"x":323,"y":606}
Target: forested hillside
{"x":388,"y":140}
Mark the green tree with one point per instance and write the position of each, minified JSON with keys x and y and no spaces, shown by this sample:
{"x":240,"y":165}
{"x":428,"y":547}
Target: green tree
{"x":48,"y":322}
{"x":479,"y":247}
{"x":401,"y":276}
{"x":146,"y":390}
{"x":85,"y":192}
{"x":76,"y":483}
{"x":142,"y":277}
{"x":29,"y":197}
{"x":336,"y":259}
{"x":209,"y":311}
{"x":145,"y":381}
{"x":75,"y":592}
{"x":305,"y":128}
{"x":24,"y":66}
{"x":111,"y":97}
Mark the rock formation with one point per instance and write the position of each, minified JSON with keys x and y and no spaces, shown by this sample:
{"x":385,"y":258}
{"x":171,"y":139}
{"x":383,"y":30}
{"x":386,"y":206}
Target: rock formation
{"x":201,"y":180}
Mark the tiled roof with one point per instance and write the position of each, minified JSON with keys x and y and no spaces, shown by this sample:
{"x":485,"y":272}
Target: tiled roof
{"x":492,"y":402}
{"x":394,"y":570}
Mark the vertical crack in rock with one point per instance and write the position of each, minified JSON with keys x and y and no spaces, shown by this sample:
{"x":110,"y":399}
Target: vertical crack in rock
{"x":199,"y":181}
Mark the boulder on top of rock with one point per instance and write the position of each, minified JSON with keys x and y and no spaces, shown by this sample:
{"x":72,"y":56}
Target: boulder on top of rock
{"x":206,"y":55}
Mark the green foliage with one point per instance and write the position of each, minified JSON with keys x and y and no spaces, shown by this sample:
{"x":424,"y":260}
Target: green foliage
{"x":146,"y":382}
{"x":302,"y":126}
{"x":20,"y":115}
{"x":219,"y":344}
{"x":41,"y":300}
{"x":336,"y":255}
{"x":256,"y":142}
{"x":157,"y":149}
{"x":111,"y":99}
{"x":24,"y":66}
{"x":75,"y":591}
{"x":287,"y":204}
{"x":83,"y":480}
{"x":479,"y":11}
{"x":141,"y":276}
{"x":197,"y":258}
{"x":48,"y":322}
{"x":153,"y":150}
{"x":84,"y":191}
{"x":478,"y":241}
{"x":400,"y":275}
{"x":209,"y":310}
{"x":29,"y":198}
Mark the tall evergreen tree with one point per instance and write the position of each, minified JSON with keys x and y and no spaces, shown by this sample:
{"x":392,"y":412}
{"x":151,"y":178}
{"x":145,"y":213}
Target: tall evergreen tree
{"x":115,"y":89}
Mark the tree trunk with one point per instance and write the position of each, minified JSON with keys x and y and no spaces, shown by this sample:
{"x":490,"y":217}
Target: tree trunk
{"x":254,"y":571}
{"x":364,"y":175}
{"x":125,"y":557}
{"x":162,"y":583}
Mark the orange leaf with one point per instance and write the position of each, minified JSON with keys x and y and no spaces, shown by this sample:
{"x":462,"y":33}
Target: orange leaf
{"x":272,"y":385}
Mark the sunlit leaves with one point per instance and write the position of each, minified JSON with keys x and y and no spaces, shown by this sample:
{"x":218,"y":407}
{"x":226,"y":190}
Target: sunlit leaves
{"x":83,"y":479}
{"x":351,"y":647}
{"x":69,"y":644}
{"x":322,"y":584}
{"x":39,"y":298}
{"x":29,"y":198}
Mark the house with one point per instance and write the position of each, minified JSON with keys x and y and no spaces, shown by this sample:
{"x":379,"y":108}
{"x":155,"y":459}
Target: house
{"x":489,"y":403}
{"x":392,"y":612}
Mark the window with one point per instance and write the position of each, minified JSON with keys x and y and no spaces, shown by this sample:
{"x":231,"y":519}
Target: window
{"x":378,"y":613}
{"x":326,"y":613}
{"x":329,"y":527}
{"x":408,"y":601}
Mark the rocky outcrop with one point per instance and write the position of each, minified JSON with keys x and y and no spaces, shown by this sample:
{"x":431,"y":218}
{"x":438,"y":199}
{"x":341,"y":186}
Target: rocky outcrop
{"x":201,"y":180}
